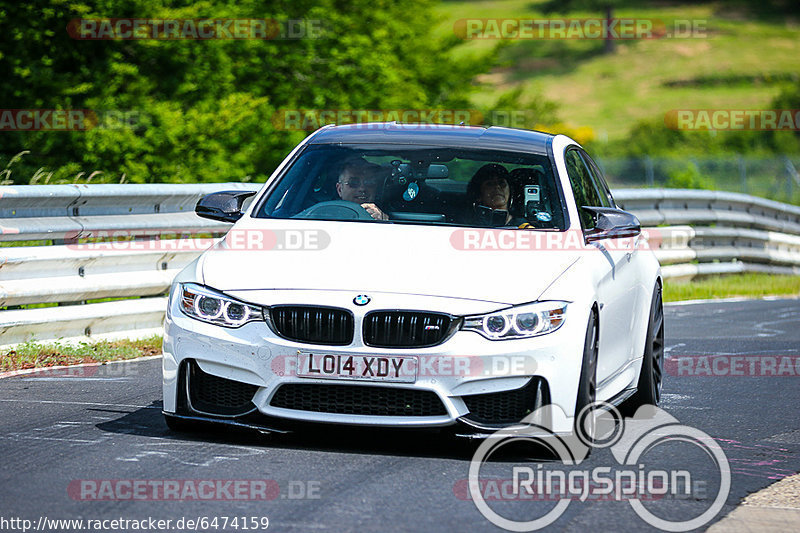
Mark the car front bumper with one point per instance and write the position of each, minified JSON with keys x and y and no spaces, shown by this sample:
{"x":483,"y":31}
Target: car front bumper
{"x":461,"y":372}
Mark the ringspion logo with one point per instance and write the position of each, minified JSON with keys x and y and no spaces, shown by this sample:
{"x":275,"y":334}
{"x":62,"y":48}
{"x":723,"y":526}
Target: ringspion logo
{"x":630,"y":477}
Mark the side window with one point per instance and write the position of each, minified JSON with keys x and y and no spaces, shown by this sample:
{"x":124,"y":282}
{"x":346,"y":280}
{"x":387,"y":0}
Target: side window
{"x":599,"y":181}
{"x":582,"y":187}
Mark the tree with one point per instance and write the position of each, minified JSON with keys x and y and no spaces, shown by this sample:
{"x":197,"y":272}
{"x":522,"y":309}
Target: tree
{"x":604,"y":6}
{"x":206,"y":110}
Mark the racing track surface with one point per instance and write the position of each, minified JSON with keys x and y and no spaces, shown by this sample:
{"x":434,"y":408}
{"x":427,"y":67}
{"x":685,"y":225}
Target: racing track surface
{"x":57,"y":427}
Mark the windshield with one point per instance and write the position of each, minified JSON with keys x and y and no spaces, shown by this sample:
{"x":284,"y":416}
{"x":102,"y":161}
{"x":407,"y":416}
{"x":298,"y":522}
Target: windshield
{"x":418,"y":185}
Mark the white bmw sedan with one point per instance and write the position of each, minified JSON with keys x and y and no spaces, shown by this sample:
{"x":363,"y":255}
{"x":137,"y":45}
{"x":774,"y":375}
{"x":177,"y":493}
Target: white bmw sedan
{"x":416,"y":276}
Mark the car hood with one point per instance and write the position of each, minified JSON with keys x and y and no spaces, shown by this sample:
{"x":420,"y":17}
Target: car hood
{"x":259,"y":254}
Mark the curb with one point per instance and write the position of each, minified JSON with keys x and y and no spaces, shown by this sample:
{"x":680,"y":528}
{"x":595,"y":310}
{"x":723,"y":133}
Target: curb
{"x":12,"y":373}
{"x":774,"y":509}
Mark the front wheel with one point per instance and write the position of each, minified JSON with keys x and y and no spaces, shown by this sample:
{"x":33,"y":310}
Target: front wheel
{"x":648,"y":390}
{"x":587,"y":387}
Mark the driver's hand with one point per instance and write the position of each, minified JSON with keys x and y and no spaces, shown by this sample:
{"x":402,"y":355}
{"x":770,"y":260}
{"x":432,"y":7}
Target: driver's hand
{"x":375,"y":212}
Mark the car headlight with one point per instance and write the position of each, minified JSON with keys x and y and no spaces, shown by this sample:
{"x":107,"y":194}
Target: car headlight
{"x":213,"y":307}
{"x":529,"y":320}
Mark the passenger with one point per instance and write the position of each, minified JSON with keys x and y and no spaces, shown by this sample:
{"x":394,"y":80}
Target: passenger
{"x":489,"y":192}
{"x":358,"y":183}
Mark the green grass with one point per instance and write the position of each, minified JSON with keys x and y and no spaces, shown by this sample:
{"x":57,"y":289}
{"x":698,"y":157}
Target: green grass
{"x":37,"y":354}
{"x":16,"y":244}
{"x":609,"y":93}
{"x":749,"y":285}
{"x":91,"y":301}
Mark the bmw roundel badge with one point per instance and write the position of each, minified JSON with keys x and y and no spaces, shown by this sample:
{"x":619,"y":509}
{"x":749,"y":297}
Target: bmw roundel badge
{"x":361,"y":299}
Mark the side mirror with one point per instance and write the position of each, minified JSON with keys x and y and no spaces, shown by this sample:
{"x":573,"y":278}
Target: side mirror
{"x":611,"y":223}
{"x":224,"y":205}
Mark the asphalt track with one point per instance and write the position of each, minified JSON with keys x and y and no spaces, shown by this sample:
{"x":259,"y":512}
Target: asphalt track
{"x":104,"y":423}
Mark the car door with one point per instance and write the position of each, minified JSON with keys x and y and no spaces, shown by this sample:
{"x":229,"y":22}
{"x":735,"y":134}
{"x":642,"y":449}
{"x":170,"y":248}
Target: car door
{"x":616,"y":280}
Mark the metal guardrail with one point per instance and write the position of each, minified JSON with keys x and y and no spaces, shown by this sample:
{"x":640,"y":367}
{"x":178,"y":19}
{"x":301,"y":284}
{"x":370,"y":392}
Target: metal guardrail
{"x":698,"y":207}
{"x":59,"y":271}
{"x":715,"y":232}
{"x":696,"y":233}
{"x":45,"y":212}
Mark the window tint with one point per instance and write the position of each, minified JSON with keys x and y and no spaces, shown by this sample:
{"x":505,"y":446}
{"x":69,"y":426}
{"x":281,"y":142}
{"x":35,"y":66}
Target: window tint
{"x":582,"y":187}
{"x":599,"y":181}
{"x":412,"y":184}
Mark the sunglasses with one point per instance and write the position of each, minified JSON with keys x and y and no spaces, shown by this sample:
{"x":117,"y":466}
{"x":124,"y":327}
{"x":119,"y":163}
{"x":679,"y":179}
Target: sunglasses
{"x":356,"y":182}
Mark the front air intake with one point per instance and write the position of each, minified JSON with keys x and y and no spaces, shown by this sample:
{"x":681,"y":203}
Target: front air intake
{"x":218,"y":396}
{"x":358,"y":400}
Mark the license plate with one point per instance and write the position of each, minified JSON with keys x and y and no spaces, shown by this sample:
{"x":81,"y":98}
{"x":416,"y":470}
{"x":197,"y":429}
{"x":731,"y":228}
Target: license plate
{"x":397,"y":368}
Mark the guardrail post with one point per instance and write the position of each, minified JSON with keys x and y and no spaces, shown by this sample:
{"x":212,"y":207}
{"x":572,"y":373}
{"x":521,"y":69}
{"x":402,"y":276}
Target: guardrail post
{"x":649,"y":172}
{"x":743,"y":174}
{"x":792,"y":176}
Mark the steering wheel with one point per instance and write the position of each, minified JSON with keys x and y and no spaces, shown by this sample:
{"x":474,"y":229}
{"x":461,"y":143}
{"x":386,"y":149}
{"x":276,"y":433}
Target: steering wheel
{"x":336,"y":210}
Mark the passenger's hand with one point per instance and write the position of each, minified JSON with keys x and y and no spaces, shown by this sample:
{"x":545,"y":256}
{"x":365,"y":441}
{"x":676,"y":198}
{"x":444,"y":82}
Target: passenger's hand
{"x":375,"y":212}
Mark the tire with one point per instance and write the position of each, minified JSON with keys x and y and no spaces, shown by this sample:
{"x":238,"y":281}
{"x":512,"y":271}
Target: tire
{"x":587,"y":386}
{"x":648,"y":390}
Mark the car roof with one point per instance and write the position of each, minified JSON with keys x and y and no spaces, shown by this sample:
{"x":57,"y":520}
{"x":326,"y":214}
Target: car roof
{"x":491,"y":138}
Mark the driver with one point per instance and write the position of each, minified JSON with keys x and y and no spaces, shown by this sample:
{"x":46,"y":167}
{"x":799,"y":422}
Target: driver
{"x":358,"y":182}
